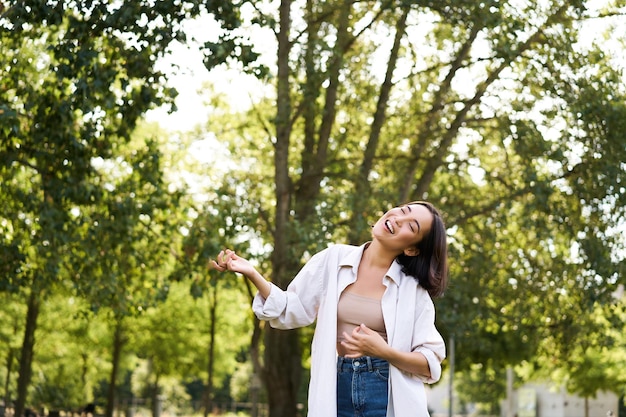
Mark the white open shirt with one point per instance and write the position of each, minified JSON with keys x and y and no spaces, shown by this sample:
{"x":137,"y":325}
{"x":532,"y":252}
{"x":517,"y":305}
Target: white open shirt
{"x":408,"y":312}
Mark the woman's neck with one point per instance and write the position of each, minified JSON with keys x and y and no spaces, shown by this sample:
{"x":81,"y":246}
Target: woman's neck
{"x":375,"y":256}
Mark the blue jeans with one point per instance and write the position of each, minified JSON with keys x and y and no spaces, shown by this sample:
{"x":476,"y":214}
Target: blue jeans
{"x":362,"y":387}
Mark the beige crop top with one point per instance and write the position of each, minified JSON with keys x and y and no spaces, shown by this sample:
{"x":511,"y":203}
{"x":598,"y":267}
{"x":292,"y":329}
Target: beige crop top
{"x":354,"y":310}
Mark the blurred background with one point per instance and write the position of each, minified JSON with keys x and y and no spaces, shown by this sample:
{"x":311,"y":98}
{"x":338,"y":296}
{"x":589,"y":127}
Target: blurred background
{"x":139,"y":137}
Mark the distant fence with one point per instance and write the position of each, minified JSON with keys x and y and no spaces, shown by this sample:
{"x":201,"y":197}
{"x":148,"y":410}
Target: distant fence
{"x":139,"y":408}
{"x":262,"y":410}
{"x":234,"y":407}
{"x":29,"y":412}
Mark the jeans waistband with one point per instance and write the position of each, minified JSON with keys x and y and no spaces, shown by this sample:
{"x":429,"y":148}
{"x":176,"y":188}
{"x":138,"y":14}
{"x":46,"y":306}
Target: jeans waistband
{"x":363,"y":363}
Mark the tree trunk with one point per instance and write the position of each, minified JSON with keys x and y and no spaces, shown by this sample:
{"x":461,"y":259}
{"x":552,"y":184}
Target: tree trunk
{"x":255,"y":357}
{"x":83,"y":376}
{"x":28,"y":347}
{"x":157,"y":401}
{"x":209,"y":383}
{"x":118,"y":343}
{"x":358,"y":230}
{"x":428,"y":130}
{"x":7,"y":380}
{"x":282,"y":360}
{"x":315,"y":153}
{"x":283,"y":371}
{"x":10,"y":358}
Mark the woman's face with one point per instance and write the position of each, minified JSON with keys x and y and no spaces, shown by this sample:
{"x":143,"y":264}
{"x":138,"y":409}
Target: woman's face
{"x":403,"y":227}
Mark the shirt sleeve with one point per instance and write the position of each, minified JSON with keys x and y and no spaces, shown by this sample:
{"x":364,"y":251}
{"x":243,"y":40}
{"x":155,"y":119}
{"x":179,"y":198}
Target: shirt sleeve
{"x":298,"y":305}
{"x":428,"y":341}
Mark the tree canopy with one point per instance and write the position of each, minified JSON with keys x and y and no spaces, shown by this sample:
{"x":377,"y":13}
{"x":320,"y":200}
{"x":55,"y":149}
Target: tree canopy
{"x":500,"y":113}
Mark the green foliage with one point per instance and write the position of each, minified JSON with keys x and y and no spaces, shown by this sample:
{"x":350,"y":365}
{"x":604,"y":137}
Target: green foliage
{"x":496,"y":114}
{"x":493,"y":111}
{"x":170,"y":389}
{"x":72,"y":354}
{"x":77,"y":77}
{"x":132,"y":220}
{"x":174,"y":336}
{"x":12,"y":313}
{"x":593,"y":359}
{"x":481,"y":385}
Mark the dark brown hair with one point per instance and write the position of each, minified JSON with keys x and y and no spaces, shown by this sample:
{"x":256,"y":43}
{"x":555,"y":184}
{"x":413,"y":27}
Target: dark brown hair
{"x":430,"y":266}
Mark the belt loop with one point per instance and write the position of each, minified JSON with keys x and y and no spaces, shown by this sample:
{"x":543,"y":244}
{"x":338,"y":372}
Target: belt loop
{"x":340,"y":363}
{"x":370,"y":368}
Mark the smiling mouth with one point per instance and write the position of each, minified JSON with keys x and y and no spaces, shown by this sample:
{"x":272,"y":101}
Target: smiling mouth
{"x":389,"y":226}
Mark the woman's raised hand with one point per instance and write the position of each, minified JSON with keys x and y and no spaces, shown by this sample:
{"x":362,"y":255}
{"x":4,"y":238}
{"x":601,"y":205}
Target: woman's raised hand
{"x":228,"y":260}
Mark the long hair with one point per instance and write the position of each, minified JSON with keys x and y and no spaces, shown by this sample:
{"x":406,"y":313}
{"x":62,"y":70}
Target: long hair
{"x":430,"y":266}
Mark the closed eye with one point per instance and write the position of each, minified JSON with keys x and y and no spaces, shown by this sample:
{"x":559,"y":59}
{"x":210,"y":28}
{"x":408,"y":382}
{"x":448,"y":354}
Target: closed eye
{"x":410,"y":224}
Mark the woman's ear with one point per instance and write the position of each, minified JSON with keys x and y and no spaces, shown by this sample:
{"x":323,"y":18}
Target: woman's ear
{"x":412,"y":251}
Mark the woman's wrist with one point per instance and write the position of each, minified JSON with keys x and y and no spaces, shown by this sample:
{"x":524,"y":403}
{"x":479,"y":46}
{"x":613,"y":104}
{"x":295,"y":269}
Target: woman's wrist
{"x":259,"y":281}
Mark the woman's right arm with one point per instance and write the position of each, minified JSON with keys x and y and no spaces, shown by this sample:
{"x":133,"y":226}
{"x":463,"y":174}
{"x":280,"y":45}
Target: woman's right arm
{"x":284,"y":309}
{"x":228,"y":260}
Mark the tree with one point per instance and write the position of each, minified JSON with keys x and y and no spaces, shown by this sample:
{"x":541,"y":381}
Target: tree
{"x":491,"y":110}
{"x":493,"y":100}
{"x":127,"y":240}
{"x":79,"y":75}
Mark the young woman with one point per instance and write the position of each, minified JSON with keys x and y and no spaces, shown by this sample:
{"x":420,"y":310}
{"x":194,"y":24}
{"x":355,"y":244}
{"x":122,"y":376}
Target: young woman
{"x":375,"y":341}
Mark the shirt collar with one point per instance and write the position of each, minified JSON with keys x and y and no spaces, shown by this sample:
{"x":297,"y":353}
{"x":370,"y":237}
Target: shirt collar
{"x":353,"y":257}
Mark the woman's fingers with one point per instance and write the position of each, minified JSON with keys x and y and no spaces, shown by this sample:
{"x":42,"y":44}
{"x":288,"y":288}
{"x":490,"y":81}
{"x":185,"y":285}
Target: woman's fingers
{"x":352,"y":349}
{"x":217,"y":266}
{"x":221,"y":260}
